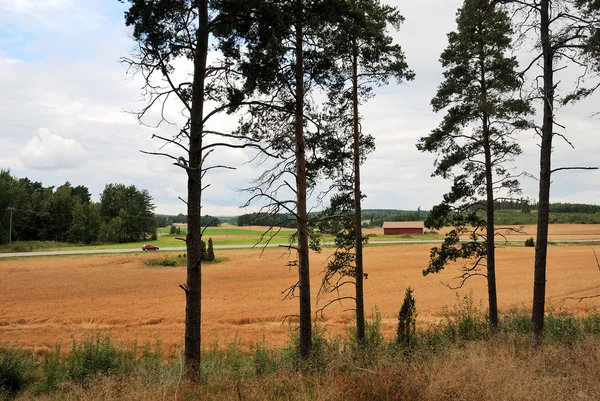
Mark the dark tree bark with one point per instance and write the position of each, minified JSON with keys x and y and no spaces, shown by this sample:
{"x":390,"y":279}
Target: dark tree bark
{"x":301,"y":213}
{"x":193,"y":294}
{"x":541,"y":247}
{"x":359,"y":271}
{"x":489,"y":189}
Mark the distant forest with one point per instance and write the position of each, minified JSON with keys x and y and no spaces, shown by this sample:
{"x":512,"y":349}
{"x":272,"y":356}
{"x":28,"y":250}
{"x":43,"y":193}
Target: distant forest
{"x":30,"y":211}
{"x":125,"y":213}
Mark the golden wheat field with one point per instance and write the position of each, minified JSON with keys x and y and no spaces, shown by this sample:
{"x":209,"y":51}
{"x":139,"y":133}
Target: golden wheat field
{"x":45,"y":301}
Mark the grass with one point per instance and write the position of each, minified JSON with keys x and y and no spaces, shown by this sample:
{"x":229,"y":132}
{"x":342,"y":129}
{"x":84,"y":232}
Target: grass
{"x":455,"y":359}
{"x":221,"y":237}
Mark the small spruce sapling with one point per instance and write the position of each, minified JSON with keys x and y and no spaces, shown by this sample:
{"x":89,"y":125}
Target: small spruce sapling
{"x":407,"y":320}
{"x":210,"y":253}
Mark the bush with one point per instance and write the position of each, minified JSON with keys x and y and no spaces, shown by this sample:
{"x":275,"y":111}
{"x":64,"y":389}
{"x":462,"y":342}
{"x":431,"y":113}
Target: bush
{"x":467,"y":322}
{"x":17,"y":371}
{"x":168,"y":262}
{"x":530,"y":242}
{"x":95,"y":355}
{"x":203,"y":253}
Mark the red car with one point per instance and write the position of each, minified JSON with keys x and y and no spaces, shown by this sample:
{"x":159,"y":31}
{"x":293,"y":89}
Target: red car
{"x":149,"y":247}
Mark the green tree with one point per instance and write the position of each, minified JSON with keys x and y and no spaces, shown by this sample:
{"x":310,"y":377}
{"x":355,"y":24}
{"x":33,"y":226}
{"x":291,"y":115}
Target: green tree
{"x":276,"y":44}
{"x":475,"y":137}
{"x":78,"y":229}
{"x":565,"y":39}
{"x":367,"y":57}
{"x":133,"y":206}
{"x":111,"y":231}
{"x":93,"y":223}
{"x":170,"y":33}
{"x":60,"y":213}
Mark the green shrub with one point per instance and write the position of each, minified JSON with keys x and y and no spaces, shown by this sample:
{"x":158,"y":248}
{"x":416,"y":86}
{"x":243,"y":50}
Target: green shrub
{"x":373,"y":336}
{"x":562,"y":328}
{"x":96,"y":355}
{"x":264,"y":360}
{"x":518,"y":322}
{"x":54,"y":372}
{"x":530,"y":242}
{"x":168,"y":262}
{"x":17,"y":371}
{"x":466,"y":323}
{"x":591,"y":323}
{"x":203,"y":253}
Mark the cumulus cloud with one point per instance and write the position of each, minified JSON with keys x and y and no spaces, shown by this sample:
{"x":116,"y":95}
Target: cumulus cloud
{"x":48,"y":151}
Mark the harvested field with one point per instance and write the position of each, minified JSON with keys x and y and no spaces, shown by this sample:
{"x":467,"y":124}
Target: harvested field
{"x":45,"y":301}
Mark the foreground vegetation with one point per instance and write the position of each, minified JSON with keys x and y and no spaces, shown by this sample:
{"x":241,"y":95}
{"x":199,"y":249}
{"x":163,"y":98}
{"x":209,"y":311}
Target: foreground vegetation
{"x":456,"y":358}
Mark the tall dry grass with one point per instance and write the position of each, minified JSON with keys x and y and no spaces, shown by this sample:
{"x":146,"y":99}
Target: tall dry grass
{"x":479,"y":371}
{"x":455,"y":359}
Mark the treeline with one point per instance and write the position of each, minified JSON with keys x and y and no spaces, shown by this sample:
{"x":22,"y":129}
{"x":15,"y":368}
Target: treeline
{"x":164,"y":220}
{"x":526,"y":206}
{"x":376,"y":217}
{"x":509,"y":212}
{"x":67,"y":213}
{"x":267,"y":219}
{"x":573,"y":208}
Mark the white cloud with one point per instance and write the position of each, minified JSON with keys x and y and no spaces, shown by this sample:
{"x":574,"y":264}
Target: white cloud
{"x":48,"y":151}
{"x":70,"y":81}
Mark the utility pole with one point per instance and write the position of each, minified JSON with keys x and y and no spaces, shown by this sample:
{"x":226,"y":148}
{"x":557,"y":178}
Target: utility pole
{"x":10,"y":225}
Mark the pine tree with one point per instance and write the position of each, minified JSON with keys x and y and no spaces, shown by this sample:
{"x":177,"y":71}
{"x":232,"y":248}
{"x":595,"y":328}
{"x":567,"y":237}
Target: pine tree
{"x":407,"y":320}
{"x":276,"y":44}
{"x":367,"y":57}
{"x":474,"y":142}
{"x":170,"y":34}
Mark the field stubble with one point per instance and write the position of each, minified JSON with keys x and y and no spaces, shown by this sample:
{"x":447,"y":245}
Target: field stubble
{"x":45,"y":301}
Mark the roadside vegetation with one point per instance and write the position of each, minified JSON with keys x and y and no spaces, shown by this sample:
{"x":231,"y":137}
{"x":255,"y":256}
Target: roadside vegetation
{"x":455,"y":358}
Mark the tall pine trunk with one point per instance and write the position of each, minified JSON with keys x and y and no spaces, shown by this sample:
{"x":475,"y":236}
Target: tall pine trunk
{"x":193,"y":293}
{"x":301,"y":213}
{"x":489,"y":190}
{"x":490,"y":231}
{"x":360,"y":307}
{"x":541,"y":248}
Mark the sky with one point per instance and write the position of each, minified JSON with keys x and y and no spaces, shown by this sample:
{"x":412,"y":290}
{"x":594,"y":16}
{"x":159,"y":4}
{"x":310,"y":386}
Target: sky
{"x":66,"y":104}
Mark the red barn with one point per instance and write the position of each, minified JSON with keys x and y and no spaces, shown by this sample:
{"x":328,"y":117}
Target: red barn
{"x":403,"y":227}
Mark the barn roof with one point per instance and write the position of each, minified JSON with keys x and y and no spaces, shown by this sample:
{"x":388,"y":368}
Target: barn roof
{"x":403,"y":224}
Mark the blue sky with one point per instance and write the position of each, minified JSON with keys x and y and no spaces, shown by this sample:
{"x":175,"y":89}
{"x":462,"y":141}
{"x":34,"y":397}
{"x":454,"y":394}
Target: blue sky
{"x":65,"y":96}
